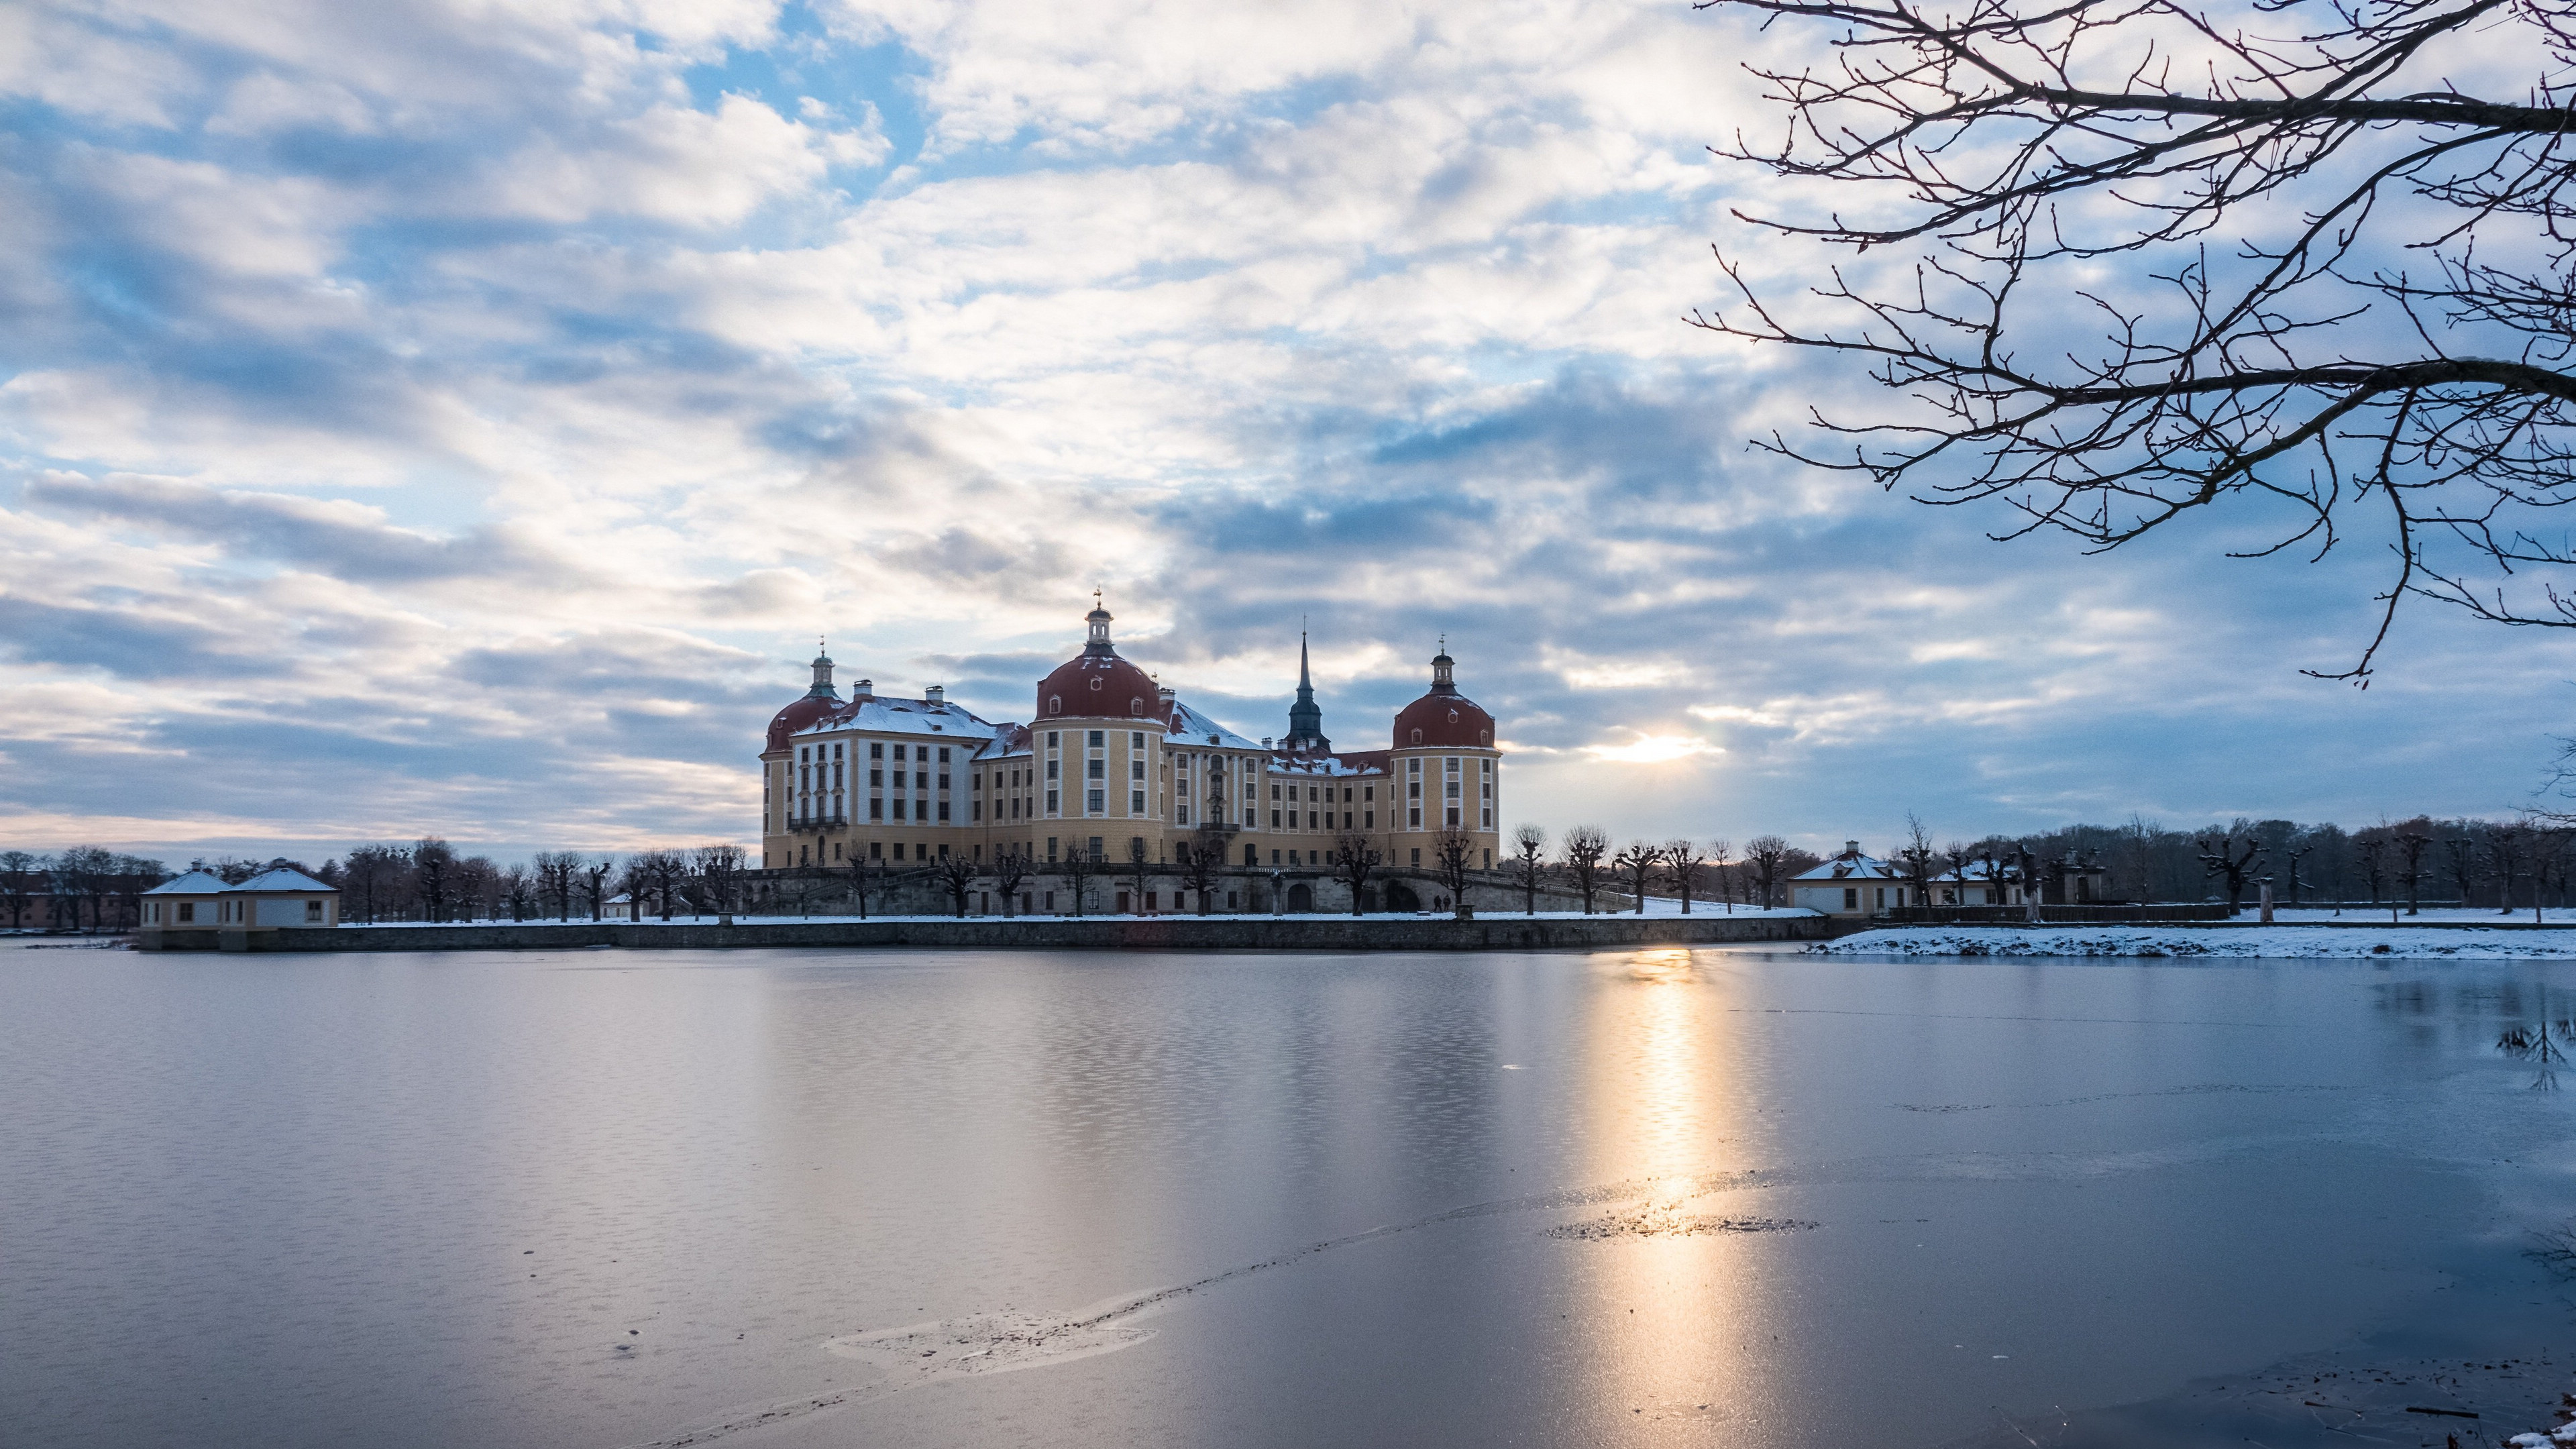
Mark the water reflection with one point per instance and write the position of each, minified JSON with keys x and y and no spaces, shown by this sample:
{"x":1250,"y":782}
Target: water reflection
{"x":1672,"y":1289}
{"x":1345,"y":1200}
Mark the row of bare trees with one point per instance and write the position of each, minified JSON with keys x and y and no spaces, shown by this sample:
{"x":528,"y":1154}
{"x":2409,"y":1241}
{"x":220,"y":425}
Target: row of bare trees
{"x":1682,"y":867}
{"x":428,"y":880}
{"x":53,"y":891}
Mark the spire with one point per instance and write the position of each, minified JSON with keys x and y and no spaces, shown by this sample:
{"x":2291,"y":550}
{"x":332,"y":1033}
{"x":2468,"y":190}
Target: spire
{"x":1442,"y":680}
{"x":1305,"y":717}
{"x":823,"y":673}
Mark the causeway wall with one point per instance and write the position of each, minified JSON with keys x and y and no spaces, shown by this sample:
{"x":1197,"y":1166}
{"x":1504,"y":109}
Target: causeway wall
{"x":1102,"y":933}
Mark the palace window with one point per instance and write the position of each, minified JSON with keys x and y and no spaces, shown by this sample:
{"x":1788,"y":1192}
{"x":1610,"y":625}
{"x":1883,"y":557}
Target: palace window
{"x":898,"y":807}
{"x":1099,"y":769}
{"x":876,"y":808}
{"x":1099,"y":739}
{"x":1095,"y":801}
{"x":1051,"y":739}
{"x":1051,"y":805}
{"x":943,"y":754}
{"x":943,"y":814}
{"x":1414,"y":819}
{"x":1051,"y":769}
{"x":1136,"y":767}
{"x":876,"y":778}
{"x":1135,"y":802}
{"x":1136,"y":740}
{"x":876,"y":750}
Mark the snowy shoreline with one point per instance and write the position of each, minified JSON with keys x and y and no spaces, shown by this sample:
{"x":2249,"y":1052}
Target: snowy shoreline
{"x":2339,"y":940}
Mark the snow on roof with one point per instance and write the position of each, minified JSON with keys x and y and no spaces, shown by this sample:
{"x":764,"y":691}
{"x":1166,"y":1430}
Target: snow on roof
{"x":194,"y":883}
{"x":282,"y":879}
{"x":878,"y":714}
{"x":1008,"y":740}
{"x":207,"y":883}
{"x":1330,"y":766}
{"x":1852,"y":865}
{"x":1191,"y":727}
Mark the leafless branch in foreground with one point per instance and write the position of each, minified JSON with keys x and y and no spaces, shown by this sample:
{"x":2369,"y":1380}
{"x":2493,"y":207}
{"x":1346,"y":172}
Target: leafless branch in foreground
{"x":2166,"y":257}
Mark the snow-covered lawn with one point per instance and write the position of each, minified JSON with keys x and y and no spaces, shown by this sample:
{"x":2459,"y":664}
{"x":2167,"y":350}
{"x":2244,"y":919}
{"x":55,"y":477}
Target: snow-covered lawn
{"x":1654,"y":907}
{"x":2473,"y":915}
{"x":2233,"y":941}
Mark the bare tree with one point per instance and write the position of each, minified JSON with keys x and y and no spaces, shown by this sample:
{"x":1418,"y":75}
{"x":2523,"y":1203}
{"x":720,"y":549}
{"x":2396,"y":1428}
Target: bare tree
{"x":555,"y":871}
{"x":371,"y":877}
{"x":2461,"y":854}
{"x":1584,"y":847}
{"x":1354,"y":859}
{"x":1529,"y":864}
{"x":1139,"y":872}
{"x":1010,"y":867}
{"x":433,"y":871}
{"x":1452,"y":853}
{"x":594,"y":888}
{"x":718,"y":870}
{"x":2412,"y":839}
{"x":2505,"y":862}
{"x":1681,"y":862}
{"x":1079,"y":866}
{"x":2387,"y":328}
{"x":19,"y":878}
{"x":1919,"y":857}
{"x":2219,"y":856}
{"x":2549,"y":863}
{"x":662,"y":873}
{"x":516,"y":887}
{"x":1763,"y":855}
{"x":1637,"y":861}
{"x":957,"y":875}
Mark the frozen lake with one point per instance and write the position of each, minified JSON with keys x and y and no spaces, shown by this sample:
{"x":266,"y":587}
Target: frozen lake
{"x":1669,"y":1197}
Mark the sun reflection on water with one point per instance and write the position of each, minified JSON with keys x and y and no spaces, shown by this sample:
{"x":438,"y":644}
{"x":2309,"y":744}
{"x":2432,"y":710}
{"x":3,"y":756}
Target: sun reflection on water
{"x":1670,"y":1278}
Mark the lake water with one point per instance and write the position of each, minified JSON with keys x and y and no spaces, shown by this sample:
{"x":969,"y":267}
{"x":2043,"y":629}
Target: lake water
{"x":916,"y":1198}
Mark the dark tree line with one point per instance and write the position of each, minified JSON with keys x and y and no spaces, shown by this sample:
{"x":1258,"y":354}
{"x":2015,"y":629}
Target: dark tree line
{"x":83,"y":888}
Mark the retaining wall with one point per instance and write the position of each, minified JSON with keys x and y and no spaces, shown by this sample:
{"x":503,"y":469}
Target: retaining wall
{"x":1121,"y":933}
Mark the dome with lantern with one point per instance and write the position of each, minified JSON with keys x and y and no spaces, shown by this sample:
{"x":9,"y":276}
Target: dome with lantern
{"x":1097,"y":684}
{"x":1444,"y":716}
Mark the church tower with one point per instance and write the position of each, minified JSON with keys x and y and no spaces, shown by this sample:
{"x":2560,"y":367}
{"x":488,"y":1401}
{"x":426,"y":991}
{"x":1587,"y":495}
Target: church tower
{"x":1305,"y":717}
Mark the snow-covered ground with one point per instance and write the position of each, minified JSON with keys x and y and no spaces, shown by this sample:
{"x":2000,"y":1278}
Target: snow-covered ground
{"x":1654,"y":907}
{"x":2474,"y":915}
{"x":2275,"y":940}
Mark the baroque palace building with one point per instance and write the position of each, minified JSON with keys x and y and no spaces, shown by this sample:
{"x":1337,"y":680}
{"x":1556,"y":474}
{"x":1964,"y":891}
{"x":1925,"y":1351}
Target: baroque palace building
{"x":1113,"y":763}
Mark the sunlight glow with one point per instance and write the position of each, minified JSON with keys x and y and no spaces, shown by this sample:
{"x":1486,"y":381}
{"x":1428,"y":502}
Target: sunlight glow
{"x":1654,"y":750}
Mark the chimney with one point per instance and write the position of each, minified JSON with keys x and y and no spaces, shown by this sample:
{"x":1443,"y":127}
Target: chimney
{"x":864,"y":689}
{"x":937,"y":695}
{"x":1851,"y":847}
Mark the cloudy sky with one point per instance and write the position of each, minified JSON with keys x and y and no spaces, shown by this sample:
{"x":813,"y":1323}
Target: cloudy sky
{"x":464,"y":417}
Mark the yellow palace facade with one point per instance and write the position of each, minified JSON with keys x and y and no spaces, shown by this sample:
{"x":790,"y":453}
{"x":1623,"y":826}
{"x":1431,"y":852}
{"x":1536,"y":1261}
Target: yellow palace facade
{"x":1111,"y":764}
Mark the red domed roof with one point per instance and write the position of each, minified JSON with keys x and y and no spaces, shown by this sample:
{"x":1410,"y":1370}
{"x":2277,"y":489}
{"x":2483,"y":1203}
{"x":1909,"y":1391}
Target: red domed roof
{"x":797,"y":716}
{"x":1444,"y":716}
{"x":1444,"y":719}
{"x":1097,"y":684}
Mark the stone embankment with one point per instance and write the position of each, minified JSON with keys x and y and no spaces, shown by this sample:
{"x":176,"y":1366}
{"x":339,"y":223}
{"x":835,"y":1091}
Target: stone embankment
{"x":1119,"y":933}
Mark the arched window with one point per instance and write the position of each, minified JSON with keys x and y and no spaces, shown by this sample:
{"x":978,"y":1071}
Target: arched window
{"x":1055,"y":704}
{"x":1484,"y":737}
{"x":1417,"y":737}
